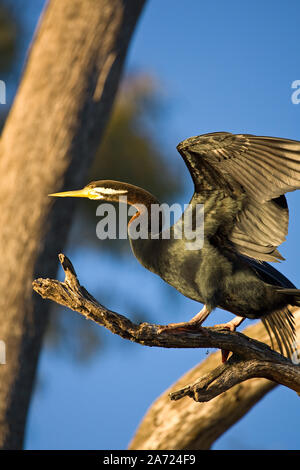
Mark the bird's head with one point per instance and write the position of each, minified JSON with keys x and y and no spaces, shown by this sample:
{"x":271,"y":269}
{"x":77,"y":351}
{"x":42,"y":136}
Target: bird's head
{"x":114,"y":191}
{"x":100,"y":190}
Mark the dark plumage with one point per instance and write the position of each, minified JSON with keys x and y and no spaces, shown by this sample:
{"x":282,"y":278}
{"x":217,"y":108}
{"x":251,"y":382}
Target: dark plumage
{"x":241,"y":180}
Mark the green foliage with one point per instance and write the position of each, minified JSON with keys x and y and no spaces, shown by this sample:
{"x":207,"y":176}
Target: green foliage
{"x":8,"y":30}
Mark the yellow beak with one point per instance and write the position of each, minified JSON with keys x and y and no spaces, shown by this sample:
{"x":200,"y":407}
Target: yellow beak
{"x":85,"y":192}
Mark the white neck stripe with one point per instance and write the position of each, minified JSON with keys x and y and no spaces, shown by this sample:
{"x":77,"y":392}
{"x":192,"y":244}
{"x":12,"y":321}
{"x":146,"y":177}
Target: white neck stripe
{"x":107,"y":191}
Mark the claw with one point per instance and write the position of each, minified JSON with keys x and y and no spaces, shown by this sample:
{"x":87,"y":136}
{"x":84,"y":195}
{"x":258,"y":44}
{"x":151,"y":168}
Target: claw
{"x":232,"y":324}
{"x":192,"y":325}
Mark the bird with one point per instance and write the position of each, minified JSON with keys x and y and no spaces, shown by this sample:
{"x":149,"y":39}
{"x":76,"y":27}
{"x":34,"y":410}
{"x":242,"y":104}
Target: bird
{"x":241,"y":181}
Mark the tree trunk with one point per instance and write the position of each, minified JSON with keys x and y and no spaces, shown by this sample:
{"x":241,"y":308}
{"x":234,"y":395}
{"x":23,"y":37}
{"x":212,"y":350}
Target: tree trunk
{"x":48,"y":142}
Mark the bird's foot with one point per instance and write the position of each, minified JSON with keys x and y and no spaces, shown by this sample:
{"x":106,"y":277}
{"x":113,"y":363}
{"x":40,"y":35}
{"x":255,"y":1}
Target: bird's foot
{"x":226,"y":326}
{"x":193,"y":325}
{"x":177,"y":328}
{"x":232,"y":324}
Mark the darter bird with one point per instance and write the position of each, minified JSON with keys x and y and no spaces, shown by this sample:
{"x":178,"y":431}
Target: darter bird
{"x":241,"y":181}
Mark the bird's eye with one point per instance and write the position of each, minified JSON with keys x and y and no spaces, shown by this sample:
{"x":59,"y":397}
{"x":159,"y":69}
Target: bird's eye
{"x":95,"y":193}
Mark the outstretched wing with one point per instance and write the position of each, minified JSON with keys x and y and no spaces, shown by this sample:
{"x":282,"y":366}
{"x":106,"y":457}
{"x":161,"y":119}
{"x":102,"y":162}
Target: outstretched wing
{"x":255,"y":170}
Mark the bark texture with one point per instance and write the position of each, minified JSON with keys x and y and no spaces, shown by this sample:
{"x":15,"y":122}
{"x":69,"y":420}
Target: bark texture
{"x":51,"y":134}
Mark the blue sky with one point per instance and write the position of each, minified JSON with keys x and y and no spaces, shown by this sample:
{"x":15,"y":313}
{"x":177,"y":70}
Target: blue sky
{"x":223,"y":66}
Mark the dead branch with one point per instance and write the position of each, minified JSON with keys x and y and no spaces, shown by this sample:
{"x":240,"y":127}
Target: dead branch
{"x":187,"y":424}
{"x":235,"y":371}
{"x":250,"y":359}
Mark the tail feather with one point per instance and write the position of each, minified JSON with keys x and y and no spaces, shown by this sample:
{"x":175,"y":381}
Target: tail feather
{"x":280,"y":325}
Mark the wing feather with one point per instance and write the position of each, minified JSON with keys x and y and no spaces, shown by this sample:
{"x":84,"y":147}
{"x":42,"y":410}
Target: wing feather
{"x":253,"y":169}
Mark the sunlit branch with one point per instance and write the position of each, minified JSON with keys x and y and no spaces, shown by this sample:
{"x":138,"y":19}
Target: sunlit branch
{"x":250,"y":358}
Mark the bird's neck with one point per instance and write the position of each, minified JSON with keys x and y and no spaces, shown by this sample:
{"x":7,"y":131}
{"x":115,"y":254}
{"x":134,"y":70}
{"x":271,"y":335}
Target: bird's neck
{"x":145,"y":203}
{"x":142,"y":226}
